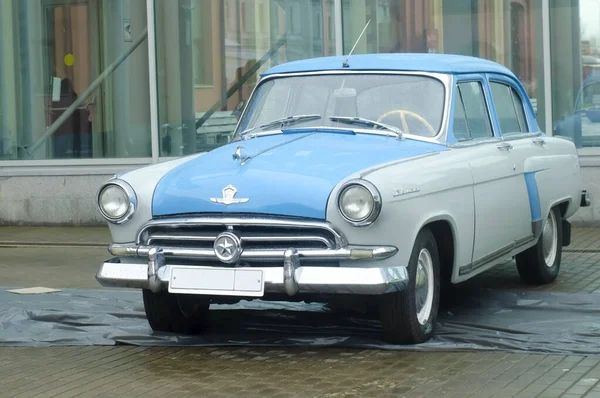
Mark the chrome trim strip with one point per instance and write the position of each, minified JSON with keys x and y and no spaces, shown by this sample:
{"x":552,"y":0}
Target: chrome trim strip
{"x":181,"y":222}
{"x":331,"y":280}
{"x":520,"y":136}
{"x":244,"y":238}
{"x":495,"y":255}
{"x":350,"y":252}
{"x":130,"y":194}
{"x":444,"y":78}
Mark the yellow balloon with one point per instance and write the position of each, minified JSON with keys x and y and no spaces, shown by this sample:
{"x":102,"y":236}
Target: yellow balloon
{"x":69,"y":59}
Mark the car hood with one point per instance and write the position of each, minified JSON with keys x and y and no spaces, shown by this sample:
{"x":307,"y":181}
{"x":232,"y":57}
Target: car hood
{"x":290,"y":174}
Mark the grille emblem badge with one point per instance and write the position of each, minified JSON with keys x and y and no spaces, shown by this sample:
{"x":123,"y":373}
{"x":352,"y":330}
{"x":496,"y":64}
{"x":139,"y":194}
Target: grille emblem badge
{"x":228,"y":247}
{"x":228,"y":196}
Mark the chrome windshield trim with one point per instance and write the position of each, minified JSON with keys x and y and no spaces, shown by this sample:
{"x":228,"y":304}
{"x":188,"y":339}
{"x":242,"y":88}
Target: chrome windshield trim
{"x":382,"y":133}
{"x":178,"y":222}
{"x":445,"y":78}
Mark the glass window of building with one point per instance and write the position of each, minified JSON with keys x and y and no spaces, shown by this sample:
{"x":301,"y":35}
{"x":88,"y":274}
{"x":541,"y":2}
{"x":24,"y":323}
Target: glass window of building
{"x":507,"y":32}
{"x":210,"y":54}
{"x":575,"y":49}
{"x":74,"y":78}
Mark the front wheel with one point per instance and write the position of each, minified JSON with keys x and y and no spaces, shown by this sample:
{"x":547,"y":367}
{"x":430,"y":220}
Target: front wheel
{"x":167,"y":312}
{"x":409,"y":316}
{"x":540,"y":264}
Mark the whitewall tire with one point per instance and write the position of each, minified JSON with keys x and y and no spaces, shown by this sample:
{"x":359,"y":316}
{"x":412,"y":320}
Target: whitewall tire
{"x":409,"y":316}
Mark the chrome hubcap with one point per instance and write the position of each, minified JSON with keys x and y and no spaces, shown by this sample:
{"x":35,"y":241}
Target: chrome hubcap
{"x":424,"y":286}
{"x":550,"y":240}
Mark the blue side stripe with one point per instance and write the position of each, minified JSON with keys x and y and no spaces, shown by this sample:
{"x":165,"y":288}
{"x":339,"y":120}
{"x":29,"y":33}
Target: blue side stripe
{"x":534,"y":197}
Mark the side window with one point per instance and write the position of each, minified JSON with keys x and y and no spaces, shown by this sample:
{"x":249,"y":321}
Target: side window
{"x":471,"y":116}
{"x":509,"y":108}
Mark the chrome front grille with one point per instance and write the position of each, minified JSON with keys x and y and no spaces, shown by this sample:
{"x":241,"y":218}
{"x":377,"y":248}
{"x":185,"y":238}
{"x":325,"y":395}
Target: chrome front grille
{"x":194,"y":237}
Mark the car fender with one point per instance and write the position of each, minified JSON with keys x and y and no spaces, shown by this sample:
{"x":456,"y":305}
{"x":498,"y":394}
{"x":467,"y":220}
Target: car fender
{"x":143,"y":181}
{"x":413,"y":194}
{"x":554,"y":178}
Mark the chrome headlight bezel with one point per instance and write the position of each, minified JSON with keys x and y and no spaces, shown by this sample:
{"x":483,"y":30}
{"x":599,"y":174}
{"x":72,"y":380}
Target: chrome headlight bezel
{"x":375,"y":197}
{"x":129,"y":193}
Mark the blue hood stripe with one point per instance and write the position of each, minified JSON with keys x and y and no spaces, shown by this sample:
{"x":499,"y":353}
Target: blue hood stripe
{"x":288,"y":175}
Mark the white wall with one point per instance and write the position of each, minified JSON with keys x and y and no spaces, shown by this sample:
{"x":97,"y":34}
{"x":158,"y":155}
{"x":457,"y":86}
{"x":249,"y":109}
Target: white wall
{"x":50,"y":200}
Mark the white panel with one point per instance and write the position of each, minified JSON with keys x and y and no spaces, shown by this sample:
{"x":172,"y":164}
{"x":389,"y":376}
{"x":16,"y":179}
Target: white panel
{"x":217,"y":281}
{"x":202,"y":279}
{"x":248,"y":280}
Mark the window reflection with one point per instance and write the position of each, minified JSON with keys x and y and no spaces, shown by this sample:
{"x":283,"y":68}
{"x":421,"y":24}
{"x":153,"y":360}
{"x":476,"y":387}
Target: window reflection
{"x":74,"y":79}
{"x":200,"y":101}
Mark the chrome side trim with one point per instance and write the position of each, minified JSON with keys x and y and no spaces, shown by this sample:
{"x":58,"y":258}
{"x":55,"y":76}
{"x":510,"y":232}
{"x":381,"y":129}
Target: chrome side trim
{"x":350,"y":252}
{"x":467,"y":269}
{"x":180,"y":222}
{"x":291,"y":280}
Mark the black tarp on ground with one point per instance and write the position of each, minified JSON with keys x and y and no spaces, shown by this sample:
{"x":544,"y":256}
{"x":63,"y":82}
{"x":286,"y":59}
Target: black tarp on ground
{"x":535,"y":322}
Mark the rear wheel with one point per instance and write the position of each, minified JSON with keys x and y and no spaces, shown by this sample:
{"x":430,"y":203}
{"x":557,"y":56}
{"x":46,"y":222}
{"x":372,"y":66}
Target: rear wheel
{"x":540,"y":264}
{"x":167,"y":312}
{"x":409,"y":316}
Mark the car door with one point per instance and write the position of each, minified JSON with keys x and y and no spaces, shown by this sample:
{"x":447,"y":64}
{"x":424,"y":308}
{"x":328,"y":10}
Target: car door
{"x":496,"y":186}
{"x":515,"y":128}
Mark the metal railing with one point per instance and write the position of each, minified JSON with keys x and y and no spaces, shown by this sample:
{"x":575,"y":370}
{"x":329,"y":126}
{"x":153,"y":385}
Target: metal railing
{"x":245,"y":77}
{"x":73,"y":107}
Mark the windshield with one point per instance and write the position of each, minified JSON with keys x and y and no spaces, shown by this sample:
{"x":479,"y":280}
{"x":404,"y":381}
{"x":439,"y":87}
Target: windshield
{"x":413,"y":104}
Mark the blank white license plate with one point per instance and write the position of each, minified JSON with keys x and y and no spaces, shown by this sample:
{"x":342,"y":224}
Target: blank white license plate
{"x":217,"y":281}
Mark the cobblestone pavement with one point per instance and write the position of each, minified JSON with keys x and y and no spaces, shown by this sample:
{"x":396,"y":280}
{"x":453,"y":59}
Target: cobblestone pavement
{"x":288,"y":372}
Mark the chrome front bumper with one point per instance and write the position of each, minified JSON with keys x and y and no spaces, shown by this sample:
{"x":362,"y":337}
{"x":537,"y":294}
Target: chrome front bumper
{"x":290,"y":278}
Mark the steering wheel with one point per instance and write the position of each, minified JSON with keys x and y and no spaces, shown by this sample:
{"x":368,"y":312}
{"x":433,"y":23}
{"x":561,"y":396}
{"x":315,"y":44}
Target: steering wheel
{"x":402,"y":112}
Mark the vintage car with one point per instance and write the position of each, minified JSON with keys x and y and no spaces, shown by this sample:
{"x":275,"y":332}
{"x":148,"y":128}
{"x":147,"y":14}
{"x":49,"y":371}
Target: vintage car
{"x":378,"y":178}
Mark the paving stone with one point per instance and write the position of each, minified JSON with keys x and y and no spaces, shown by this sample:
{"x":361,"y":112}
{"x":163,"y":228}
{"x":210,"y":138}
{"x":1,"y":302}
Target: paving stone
{"x":287,"y":372}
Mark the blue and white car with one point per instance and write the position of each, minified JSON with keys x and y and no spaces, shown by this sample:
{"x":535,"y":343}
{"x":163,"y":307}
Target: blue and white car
{"x":380,"y":178}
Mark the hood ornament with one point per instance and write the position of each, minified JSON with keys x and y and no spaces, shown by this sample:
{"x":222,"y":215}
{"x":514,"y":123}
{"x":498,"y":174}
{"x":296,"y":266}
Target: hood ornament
{"x":239,"y":155}
{"x":228,"y":197}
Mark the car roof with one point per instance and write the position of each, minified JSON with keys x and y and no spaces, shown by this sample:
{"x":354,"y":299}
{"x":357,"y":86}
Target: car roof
{"x":410,"y":62}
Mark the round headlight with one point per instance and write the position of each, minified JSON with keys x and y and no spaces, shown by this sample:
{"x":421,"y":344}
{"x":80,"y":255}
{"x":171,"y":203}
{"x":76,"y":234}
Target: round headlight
{"x":116,"y":201}
{"x":359,"y":203}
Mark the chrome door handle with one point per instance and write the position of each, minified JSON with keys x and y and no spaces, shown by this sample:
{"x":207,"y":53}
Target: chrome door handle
{"x":505,"y":146}
{"x":539,"y":141}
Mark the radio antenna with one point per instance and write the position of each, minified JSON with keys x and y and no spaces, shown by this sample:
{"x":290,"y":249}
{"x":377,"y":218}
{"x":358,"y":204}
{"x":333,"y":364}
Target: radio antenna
{"x":345,"y":64}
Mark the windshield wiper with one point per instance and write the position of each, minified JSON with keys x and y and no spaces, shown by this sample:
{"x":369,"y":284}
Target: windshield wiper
{"x":282,"y":122}
{"x":368,"y":122}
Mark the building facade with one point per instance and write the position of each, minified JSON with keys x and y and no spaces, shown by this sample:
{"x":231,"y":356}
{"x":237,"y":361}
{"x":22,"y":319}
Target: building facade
{"x":89,"y":88}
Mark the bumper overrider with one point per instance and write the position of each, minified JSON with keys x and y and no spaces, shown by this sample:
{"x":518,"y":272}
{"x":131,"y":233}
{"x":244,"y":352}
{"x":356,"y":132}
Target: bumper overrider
{"x":290,"y":271}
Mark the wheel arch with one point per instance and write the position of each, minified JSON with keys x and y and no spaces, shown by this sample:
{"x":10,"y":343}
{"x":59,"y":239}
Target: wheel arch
{"x":443,"y":228}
